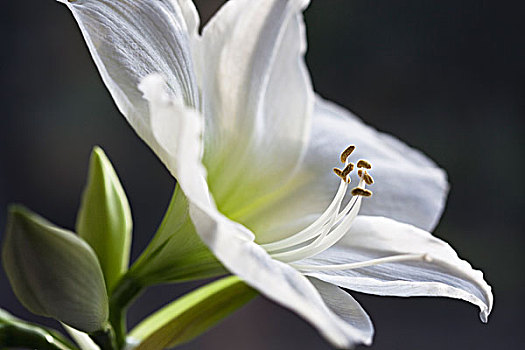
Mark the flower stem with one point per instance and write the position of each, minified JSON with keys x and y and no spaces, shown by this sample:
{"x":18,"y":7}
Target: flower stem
{"x":105,"y":338}
{"x":126,"y":290}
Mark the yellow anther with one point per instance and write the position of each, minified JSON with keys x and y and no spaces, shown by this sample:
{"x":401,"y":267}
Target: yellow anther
{"x":348,"y":169}
{"x":339,"y":173}
{"x":348,"y":151}
{"x":360,"y":173}
{"x":364,"y":164}
{"x":358,"y":191}
{"x":368,"y":179}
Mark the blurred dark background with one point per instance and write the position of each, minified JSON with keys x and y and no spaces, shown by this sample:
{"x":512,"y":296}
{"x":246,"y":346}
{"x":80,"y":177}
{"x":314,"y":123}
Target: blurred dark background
{"x":445,"y":76}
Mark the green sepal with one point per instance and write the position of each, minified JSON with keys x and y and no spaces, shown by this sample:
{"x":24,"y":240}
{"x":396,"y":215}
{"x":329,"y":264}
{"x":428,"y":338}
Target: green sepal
{"x":176,"y":253}
{"x":16,"y":333}
{"x":104,"y":218}
{"x":191,"y":315}
{"x":53,"y":272}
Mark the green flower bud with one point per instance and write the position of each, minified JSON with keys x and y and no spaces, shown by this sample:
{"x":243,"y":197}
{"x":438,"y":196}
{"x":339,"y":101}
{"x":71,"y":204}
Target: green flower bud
{"x":53,"y":272}
{"x":104,"y":219}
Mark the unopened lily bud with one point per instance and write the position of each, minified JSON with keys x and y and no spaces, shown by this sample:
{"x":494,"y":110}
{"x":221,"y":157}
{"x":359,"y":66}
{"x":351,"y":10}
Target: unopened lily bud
{"x":53,"y":272}
{"x":104,"y":218}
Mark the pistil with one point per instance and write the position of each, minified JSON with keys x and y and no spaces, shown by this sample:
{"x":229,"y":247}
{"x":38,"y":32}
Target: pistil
{"x":367,"y":263}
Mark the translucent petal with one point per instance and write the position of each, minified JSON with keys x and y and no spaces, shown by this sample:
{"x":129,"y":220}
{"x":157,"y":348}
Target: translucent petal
{"x":258,"y":100}
{"x":408,"y":186}
{"x":131,"y":39}
{"x":444,"y":274}
{"x":346,"y":307}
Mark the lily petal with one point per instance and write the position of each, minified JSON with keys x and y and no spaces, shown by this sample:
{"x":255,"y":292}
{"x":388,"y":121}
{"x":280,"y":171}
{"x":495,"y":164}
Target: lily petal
{"x":276,"y":280}
{"x":346,"y":307}
{"x":191,"y":17}
{"x":259,"y":99}
{"x":231,"y":242}
{"x":441,"y":273}
{"x":131,"y":39}
{"x":409,"y":187}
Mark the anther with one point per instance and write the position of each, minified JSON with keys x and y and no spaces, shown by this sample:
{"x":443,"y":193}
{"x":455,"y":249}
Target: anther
{"x":348,"y":169}
{"x":367,"y":178}
{"x":348,"y":151}
{"x":360,"y":173}
{"x":364,"y":164}
{"x":339,"y":173}
{"x":358,"y":191}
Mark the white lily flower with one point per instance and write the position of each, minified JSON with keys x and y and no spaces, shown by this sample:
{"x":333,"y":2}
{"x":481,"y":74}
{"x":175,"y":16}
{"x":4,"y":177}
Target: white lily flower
{"x":232,"y":114}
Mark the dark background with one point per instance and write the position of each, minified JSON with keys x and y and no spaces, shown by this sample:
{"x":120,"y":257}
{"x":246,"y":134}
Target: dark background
{"x":445,"y":76}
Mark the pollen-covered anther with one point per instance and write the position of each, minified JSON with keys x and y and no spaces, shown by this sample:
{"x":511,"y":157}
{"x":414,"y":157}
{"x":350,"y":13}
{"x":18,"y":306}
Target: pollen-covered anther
{"x":339,"y":173}
{"x":347,"y":152}
{"x":367,"y":178}
{"x":358,"y":191}
{"x":348,"y":169}
{"x":364,"y":164}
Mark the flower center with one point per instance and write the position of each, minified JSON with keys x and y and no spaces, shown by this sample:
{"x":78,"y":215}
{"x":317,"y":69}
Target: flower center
{"x":334,"y":223}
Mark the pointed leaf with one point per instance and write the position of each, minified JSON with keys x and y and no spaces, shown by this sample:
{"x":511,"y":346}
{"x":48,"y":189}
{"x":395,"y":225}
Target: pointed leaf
{"x":176,"y":253}
{"x":191,"y":315}
{"x":17,"y":333}
{"x":54,"y":272}
{"x":104,"y":218}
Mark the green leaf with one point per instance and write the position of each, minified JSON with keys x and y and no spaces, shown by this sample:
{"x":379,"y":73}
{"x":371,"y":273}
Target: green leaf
{"x":191,"y":315}
{"x":176,"y":253}
{"x":53,"y":272}
{"x":17,"y":333}
{"x":104,"y":218}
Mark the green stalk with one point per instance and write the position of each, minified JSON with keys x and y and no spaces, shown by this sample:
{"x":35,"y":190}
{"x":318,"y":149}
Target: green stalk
{"x":105,"y":339}
{"x":126,"y":290}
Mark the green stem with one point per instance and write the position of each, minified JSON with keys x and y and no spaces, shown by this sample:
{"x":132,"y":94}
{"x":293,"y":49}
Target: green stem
{"x":126,"y":290}
{"x":105,"y":339}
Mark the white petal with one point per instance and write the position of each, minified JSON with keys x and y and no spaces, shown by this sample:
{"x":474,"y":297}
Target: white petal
{"x":408,"y":186}
{"x":191,"y":17}
{"x":445,"y":274}
{"x":175,"y":126}
{"x":346,"y":307}
{"x":131,"y":39}
{"x":258,"y":102}
{"x":177,"y":137}
{"x":276,"y":280}
{"x":83,"y":340}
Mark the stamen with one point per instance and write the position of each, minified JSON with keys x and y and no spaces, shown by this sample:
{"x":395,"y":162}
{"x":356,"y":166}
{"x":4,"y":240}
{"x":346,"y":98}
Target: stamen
{"x":328,"y":240}
{"x":325,"y":239}
{"x":348,"y":169}
{"x":333,"y":224}
{"x":325,"y":220}
{"x":368,"y":179}
{"x":358,"y":191}
{"x":364,"y":164}
{"x":348,"y":151}
{"x":339,"y":173}
{"x":368,"y":263}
